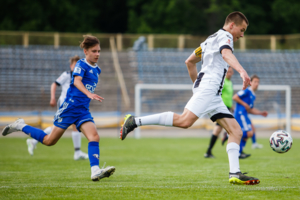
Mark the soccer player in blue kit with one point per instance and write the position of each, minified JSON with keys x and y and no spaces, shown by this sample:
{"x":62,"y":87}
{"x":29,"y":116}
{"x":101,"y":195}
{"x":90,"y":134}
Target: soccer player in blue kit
{"x":75,"y":109}
{"x":245,"y":102}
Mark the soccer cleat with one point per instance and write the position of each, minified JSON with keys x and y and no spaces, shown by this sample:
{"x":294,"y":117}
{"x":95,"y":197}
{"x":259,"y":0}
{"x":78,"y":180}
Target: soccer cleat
{"x":240,"y":178}
{"x":244,"y":155}
{"x":13,"y":127}
{"x":257,"y":146}
{"x":103,"y":173}
{"x":31,"y":146}
{"x":225,"y":138}
{"x":80,"y":156}
{"x":128,"y":126}
{"x":208,"y":155}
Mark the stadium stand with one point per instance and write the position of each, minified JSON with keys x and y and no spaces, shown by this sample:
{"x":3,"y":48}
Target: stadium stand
{"x":27,"y":73}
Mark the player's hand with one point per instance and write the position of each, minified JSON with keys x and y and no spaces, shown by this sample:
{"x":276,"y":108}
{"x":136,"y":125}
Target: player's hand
{"x":246,"y":79}
{"x":247,"y":107}
{"x":52,"y":102}
{"x":264,"y":113}
{"x":95,"y":97}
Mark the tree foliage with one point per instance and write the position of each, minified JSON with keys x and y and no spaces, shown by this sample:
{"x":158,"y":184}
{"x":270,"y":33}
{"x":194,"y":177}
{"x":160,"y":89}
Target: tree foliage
{"x":147,"y":16}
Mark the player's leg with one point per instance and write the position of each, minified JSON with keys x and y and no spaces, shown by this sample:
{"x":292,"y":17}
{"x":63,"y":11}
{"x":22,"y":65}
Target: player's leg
{"x":88,"y":128}
{"x":255,"y":145}
{"x":31,"y":143}
{"x":195,"y":107}
{"x":76,"y":137}
{"x":185,"y":120}
{"x":246,"y":135}
{"x":216,"y":132}
{"x":38,"y":134}
{"x":235,"y":135}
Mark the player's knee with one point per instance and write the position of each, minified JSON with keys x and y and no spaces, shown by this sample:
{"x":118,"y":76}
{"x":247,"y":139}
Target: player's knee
{"x":49,"y":143}
{"x":94,"y":137}
{"x":186,"y":124}
{"x":250,"y":134}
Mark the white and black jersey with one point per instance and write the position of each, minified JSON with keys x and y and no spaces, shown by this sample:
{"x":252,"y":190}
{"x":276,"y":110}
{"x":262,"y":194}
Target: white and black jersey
{"x":64,"y":81}
{"x":214,"y":68}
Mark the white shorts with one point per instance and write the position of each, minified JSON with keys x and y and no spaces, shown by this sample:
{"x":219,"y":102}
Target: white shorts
{"x":205,"y":101}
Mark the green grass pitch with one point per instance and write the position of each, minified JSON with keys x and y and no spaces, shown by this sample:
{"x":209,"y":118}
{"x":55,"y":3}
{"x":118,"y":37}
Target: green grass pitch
{"x":150,"y":168}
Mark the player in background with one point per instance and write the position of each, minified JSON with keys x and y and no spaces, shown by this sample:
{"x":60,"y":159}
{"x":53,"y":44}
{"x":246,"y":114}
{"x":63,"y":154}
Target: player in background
{"x":64,"y":81}
{"x":216,"y":54}
{"x":227,"y":93}
{"x":244,"y":105}
{"x":75,"y":109}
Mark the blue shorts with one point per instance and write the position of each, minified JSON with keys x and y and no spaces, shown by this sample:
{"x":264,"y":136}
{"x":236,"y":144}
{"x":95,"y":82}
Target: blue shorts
{"x":68,"y":115}
{"x":244,"y":122}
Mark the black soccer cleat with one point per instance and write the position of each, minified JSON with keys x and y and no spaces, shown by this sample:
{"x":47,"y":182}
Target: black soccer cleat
{"x":225,"y":138}
{"x":244,"y":155}
{"x":240,"y":178}
{"x":208,"y":155}
{"x":128,"y":126}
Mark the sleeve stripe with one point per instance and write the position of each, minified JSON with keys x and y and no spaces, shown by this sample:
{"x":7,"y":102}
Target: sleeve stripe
{"x":225,"y":47}
{"x":57,"y":83}
{"x":198,"y":52}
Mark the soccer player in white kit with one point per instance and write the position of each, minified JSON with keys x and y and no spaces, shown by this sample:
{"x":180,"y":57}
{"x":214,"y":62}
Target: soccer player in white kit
{"x":216,"y":54}
{"x":64,"y":81}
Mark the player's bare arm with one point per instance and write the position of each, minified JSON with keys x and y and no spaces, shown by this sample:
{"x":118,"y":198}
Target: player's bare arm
{"x":237,"y":99}
{"x":78,"y":83}
{"x":52,"y":98}
{"x":255,"y":111}
{"x":191,"y":65}
{"x":233,"y":62}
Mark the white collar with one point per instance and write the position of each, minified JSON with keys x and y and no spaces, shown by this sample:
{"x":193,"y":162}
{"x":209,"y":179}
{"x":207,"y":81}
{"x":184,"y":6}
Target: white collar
{"x":94,"y":66}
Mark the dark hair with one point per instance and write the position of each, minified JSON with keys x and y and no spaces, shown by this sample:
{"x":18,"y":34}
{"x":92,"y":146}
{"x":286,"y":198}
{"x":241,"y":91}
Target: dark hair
{"x":74,"y":59}
{"x":89,"y":41}
{"x":236,"y":17}
{"x":254,"y":76}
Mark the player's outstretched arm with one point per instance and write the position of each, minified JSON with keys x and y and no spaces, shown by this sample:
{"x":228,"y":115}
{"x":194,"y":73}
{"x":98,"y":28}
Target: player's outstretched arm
{"x":78,"y":83}
{"x":191,"y":65}
{"x":237,"y":99}
{"x":52,"y":93}
{"x":255,"y":111}
{"x":233,"y":62}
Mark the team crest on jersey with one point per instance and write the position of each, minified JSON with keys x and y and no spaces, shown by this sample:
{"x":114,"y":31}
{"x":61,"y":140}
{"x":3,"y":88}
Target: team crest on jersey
{"x":228,"y":41}
{"x":77,"y":70}
{"x":91,"y":71}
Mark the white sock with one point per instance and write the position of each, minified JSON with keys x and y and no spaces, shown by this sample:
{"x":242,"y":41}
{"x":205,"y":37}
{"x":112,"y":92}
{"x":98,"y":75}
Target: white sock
{"x":48,"y":130}
{"x":76,"y":136}
{"x":233,"y":157}
{"x":164,"y":119}
{"x":94,"y":168}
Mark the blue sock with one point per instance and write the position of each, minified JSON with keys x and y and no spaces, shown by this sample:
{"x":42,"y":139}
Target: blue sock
{"x":242,"y":145}
{"x":253,"y":138}
{"x":35,"y":133}
{"x":94,"y":153}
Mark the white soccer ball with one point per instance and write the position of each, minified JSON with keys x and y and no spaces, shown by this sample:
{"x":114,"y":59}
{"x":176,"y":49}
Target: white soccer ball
{"x":281,"y":141}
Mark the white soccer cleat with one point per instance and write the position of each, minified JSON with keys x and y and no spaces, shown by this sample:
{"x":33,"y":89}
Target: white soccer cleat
{"x":31,"y":146}
{"x":257,"y":146}
{"x":13,"y":127}
{"x":102,"y":173}
{"x":80,"y":156}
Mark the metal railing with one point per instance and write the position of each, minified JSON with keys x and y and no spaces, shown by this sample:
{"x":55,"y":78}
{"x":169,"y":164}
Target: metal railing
{"x":125,"y":41}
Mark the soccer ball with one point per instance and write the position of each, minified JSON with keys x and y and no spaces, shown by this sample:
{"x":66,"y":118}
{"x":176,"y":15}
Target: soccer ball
{"x":281,"y":141}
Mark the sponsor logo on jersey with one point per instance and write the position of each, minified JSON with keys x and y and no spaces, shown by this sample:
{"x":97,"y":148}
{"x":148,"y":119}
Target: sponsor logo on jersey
{"x":77,"y":70}
{"x":90,"y":88}
{"x":96,"y":156}
{"x":91,"y":71}
{"x":228,"y":41}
